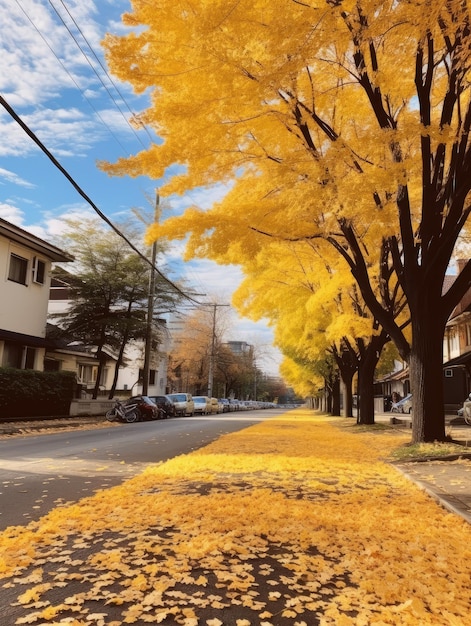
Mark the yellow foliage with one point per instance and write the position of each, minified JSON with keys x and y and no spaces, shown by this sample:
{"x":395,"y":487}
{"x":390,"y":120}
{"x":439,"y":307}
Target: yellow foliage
{"x":297,"y":516}
{"x":309,"y":114}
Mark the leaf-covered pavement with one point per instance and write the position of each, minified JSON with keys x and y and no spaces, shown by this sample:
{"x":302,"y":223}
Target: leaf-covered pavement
{"x":292,"y":522}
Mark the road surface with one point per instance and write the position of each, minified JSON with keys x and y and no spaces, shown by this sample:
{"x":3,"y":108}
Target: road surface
{"x":40,"y":472}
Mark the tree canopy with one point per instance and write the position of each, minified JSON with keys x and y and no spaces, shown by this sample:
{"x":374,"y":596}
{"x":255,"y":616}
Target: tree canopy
{"x":335,"y":120}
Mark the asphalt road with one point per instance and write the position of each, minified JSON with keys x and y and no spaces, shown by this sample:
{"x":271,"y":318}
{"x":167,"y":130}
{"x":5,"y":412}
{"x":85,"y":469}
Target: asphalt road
{"x":40,"y":472}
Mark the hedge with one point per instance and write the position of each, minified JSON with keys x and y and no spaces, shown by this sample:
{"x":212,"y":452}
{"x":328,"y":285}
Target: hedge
{"x":29,"y":393}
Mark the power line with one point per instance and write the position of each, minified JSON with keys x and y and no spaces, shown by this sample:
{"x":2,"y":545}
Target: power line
{"x":70,"y":76}
{"x":96,"y":73}
{"x":82,"y":193}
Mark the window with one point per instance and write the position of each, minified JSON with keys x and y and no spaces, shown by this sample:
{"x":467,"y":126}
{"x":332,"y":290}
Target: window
{"x":454,"y":342}
{"x":18,"y":269}
{"x":87,"y":373}
{"x":39,"y":271}
{"x":18,"y":356}
{"x":152,"y":374}
{"x":52,"y":365}
{"x":468,"y":334}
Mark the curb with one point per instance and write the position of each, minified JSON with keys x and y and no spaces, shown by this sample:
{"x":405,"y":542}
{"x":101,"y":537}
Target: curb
{"x":441,"y":498}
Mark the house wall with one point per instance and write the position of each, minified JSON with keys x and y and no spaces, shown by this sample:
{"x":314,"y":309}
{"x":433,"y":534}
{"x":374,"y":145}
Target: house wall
{"x":451,"y":343}
{"x":129,"y":375}
{"x":24,"y":307}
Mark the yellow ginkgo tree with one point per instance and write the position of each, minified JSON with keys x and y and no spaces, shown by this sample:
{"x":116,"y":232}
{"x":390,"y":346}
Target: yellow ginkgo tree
{"x":333,"y":119}
{"x":316,"y":310}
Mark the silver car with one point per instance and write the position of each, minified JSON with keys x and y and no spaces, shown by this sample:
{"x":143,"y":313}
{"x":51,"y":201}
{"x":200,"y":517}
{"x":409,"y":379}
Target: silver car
{"x":183,"y":403}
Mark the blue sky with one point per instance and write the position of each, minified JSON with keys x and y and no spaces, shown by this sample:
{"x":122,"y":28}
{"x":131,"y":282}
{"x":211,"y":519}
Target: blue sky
{"x":52,"y":76}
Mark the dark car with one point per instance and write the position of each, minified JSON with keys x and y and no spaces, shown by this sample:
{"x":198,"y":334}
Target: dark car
{"x":147,"y":409}
{"x":167,"y":407}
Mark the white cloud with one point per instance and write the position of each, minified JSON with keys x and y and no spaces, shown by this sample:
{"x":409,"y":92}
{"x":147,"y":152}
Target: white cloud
{"x":203,"y":198}
{"x":41,"y":68}
{"x":11,"y":177}
{"x":31,"y":70}
{"x":11,"y":214}
{"x":41,"y":65}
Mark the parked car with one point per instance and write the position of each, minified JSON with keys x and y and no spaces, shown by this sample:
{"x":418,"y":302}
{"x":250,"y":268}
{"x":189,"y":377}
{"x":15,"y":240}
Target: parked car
{"x":147,"y":409}
{"x":167,"y":407}
{"x":402,"y":406}
{"x":226,"y":405}
{"x":214,"y":406}
{"x":183,"y":403}
{"x":202,"y":405}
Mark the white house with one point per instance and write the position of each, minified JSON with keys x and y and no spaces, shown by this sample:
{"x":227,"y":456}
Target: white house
{"x":81,"y":359}
{"x":25,"y":278}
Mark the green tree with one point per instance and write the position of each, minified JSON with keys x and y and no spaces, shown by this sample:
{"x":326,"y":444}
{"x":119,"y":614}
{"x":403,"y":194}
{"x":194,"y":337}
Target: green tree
{"x":109,"y":293}
{"x":337,"y":120}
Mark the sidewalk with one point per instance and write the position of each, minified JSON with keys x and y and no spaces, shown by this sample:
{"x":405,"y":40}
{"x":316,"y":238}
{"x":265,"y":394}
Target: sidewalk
{"x":297,"y":521}
{"x":447,"y":480}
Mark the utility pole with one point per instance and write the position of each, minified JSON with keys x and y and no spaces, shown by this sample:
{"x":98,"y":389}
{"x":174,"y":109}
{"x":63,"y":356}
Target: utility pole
{"x":212,"y":354}
{"x":150,"y":308}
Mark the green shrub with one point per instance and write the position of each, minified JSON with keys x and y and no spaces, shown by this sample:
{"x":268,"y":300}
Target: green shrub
{"x":28,"y":393}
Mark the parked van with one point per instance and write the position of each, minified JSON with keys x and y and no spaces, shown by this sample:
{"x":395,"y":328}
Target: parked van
{"x":183,"y":403}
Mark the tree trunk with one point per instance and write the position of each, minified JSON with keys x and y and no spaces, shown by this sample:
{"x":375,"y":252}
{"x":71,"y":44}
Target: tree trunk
{"x":426,"y":374}
{"x":101,"y":365}
{"x":366,"y":405}
{"x":336,"y":396}
{"x":366,"y":374}
{"x":118,"y":364}
{"x":328,"y":398}
{"x":348,"y":397}
{"x":347,"y":364}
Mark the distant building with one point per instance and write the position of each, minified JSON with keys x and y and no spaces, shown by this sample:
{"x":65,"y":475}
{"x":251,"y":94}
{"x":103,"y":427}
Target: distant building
{"x":240,"y":348}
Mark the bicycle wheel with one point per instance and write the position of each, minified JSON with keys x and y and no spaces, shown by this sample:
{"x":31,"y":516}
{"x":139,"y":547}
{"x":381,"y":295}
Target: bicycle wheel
{"x":131,"y":416}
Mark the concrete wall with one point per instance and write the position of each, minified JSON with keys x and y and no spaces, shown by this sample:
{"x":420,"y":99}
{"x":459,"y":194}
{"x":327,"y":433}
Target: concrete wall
{"x":90,"y":407}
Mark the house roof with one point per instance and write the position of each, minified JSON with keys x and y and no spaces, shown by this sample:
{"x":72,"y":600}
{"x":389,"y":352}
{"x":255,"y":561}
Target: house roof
{"x":27,"y":340}
{"x":462,"y":360}
{"x":14,"y":233}
{"x":402,"y":374}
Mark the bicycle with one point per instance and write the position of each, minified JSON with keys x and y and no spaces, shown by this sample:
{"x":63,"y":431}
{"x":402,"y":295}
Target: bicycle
{"x":121,"y":412}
